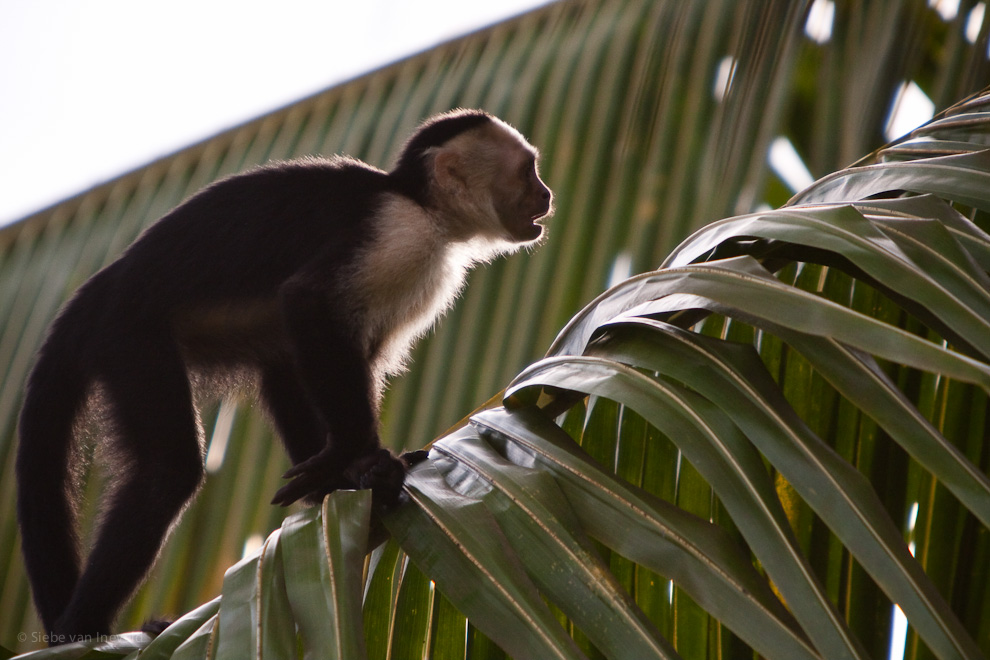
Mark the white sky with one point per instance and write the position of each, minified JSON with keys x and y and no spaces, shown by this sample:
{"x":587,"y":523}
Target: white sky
{"x":90,"y":89}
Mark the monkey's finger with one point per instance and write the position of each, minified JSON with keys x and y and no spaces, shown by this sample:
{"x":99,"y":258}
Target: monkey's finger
{"x":295,"y":490}
{"x":411,"y":458}
{"x":293,"y":471}
{"x":299,"y":469}
{"x":312,"y":465}
{"x":313,"y":483}
{"x":285,"y":496}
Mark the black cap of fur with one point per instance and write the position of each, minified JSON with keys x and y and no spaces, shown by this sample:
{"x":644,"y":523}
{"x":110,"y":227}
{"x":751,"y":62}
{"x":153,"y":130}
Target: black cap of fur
{"x":409,"y":174}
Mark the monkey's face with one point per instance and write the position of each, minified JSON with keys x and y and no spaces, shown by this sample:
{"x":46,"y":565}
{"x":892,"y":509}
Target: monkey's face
{"x":521,"y":198}
{"x":490,"y":176}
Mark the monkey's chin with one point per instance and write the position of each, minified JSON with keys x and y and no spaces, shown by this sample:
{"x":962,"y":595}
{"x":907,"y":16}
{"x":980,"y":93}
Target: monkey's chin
{"x":528,"y":233}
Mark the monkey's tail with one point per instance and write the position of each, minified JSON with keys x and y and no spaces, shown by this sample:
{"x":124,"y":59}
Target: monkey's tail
{"x":55,"y":393}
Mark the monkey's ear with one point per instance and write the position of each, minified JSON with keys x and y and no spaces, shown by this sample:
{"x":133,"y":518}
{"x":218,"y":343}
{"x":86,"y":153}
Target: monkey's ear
{"x":447,"y":171}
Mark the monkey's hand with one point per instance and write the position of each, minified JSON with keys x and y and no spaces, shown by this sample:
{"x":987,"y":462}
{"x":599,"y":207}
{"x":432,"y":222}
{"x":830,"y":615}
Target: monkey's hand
{"x":384,"y":474}
{"x":312,"y":479}
{"x":380,"y":471}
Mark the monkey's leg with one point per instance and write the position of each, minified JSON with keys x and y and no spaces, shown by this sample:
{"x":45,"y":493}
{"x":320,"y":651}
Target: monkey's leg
{"x":160,"y":469}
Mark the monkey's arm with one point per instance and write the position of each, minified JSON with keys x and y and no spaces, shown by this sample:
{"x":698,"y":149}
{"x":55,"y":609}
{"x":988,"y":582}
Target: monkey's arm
{"x":334,"y":369}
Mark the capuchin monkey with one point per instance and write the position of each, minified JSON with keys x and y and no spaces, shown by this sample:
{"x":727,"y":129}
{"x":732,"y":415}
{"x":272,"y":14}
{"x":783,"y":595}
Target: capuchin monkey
{"x":313,"y":276}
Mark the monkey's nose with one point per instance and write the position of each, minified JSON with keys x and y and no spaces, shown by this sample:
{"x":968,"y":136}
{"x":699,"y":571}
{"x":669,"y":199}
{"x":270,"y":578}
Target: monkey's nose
{"x":545,"y":205}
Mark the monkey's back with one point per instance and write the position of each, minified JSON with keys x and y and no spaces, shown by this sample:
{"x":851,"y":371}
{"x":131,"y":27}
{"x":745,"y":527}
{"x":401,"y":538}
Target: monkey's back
{"x":210,"y":269}
{"x":248,"y":233}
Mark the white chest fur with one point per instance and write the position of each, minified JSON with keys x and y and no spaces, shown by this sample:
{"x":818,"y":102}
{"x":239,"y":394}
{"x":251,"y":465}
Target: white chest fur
{"x":406,"y":279}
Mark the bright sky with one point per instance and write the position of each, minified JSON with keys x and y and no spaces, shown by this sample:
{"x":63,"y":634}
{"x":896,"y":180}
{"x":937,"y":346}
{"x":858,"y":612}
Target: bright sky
{"x":91,"y":89}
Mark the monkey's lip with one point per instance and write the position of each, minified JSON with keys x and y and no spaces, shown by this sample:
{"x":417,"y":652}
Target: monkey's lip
{"x":527,"y":231}
{"x":543,"y":211}
{"x":542,"y":214}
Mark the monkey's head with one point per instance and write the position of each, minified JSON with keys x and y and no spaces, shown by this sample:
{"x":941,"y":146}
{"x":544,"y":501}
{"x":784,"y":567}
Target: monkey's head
{"x":481,"y":175}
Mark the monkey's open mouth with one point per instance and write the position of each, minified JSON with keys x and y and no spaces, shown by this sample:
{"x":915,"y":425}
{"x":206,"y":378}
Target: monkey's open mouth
{"x":539,"y":219}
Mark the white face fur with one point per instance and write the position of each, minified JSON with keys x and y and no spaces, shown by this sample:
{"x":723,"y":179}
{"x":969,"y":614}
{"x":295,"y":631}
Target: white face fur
{"x":492,"y":187}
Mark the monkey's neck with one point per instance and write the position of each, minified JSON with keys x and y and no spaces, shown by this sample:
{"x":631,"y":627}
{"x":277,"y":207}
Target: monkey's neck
{"x":406,"y":279}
